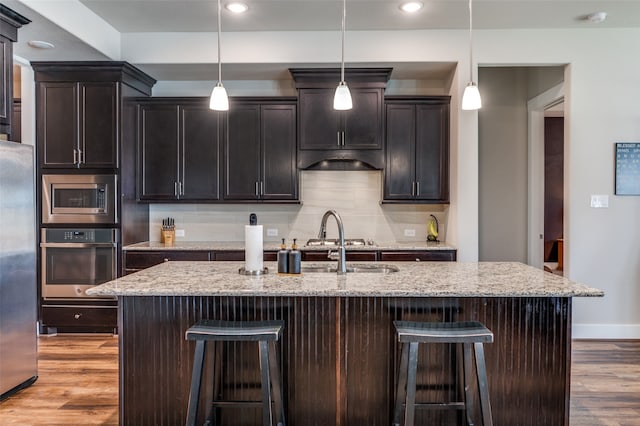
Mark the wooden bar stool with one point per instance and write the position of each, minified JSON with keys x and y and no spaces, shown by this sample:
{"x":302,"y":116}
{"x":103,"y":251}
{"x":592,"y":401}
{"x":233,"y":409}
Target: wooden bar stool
{"x":472,"y":335}
{"x":267,"y":334}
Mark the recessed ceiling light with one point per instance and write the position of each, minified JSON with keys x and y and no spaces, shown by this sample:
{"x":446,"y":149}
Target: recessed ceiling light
{"x":39,"y":44}
{"x":412,"y":6}
{"x":596,"y":17}
{"x":236,"y":7}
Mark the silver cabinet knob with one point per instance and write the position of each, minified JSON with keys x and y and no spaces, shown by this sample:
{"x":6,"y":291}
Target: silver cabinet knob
{"x":77,"y":316}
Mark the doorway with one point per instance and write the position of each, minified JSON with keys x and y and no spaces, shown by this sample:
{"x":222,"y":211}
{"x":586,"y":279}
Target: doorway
{"x":511,"y":160}
{"x":546,"y":180}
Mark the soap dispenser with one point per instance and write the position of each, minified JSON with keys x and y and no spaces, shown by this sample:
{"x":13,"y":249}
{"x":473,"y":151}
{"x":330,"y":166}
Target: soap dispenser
{"x":283,"y":259}
{"x":295,"y":258}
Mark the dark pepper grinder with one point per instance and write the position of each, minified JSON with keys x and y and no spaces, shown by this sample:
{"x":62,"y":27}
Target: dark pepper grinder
{"x":295,"y":258}
{"x":283,"y":259}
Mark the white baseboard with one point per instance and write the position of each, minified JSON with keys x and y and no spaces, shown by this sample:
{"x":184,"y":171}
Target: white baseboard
{"x":606,"y":331}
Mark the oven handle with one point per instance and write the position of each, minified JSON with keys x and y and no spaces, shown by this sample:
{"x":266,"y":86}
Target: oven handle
{"x":77,"y":245}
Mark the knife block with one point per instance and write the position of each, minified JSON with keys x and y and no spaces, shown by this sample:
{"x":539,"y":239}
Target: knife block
{"x":167,"y":237}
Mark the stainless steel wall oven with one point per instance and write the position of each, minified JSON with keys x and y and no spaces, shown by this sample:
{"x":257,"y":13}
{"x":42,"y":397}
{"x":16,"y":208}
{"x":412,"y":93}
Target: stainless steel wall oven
{"x":74,"y":260}
{"x":79,"y":199}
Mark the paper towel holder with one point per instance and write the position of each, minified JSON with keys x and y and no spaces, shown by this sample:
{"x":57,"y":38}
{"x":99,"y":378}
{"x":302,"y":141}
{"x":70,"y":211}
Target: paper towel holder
{"x":243,"y":271}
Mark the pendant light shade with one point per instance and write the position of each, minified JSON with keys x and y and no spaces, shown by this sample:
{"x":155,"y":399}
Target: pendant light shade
{"x":219,"y":99}
{"x":342,"y":98}
{"x":471,"y":96}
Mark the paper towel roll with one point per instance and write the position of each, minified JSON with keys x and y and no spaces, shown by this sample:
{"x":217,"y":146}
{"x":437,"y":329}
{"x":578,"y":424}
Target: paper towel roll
{"x":253,"y":250}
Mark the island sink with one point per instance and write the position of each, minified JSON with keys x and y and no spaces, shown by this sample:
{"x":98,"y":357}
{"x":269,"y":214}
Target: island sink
{"x":385,"y":269}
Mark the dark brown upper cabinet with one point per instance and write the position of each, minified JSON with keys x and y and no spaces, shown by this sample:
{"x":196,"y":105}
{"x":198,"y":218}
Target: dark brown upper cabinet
{"x":179,"y":146}
{"x":417,"y":150}
{"x":327,"y":136}
{"x":10,"y":22}
{"x":260,"y":150}
{"x":78,"y":124}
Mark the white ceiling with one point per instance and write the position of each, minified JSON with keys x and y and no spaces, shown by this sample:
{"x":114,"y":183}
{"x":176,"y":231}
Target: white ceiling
{"x":193,"y":16}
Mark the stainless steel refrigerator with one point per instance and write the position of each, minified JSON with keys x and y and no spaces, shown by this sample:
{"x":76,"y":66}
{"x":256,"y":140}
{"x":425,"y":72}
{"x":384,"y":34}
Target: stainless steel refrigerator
{"x":18,"y":286}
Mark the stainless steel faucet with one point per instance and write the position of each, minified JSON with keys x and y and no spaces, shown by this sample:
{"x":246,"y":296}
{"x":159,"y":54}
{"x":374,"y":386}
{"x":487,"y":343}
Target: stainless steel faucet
{"x":340,"y":255}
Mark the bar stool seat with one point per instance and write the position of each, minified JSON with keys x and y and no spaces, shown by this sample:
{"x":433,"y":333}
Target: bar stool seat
{"x":267,"y":334}
{"x":472,"y":335}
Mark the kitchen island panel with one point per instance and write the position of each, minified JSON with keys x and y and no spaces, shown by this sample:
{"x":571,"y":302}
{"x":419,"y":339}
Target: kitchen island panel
{"x":339,"y":358}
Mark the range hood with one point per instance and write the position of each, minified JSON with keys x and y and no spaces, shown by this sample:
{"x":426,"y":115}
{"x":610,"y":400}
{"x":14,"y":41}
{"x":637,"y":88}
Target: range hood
{"x":340,"y":140}
{"x":341,"y":164}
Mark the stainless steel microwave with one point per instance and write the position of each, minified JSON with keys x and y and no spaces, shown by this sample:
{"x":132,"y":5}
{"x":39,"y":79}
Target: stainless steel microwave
{"x":79,"y":199}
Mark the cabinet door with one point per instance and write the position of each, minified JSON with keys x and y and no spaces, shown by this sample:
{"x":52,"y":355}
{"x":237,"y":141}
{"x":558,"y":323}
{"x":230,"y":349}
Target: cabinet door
{"x":400,"y":165}
{"x":279,"y":175}
{"x":318,"y":120}
{"x":98,"y":143}
{"x":432,"y":152}
{"x":242,"y":153}
{"x":363,"y":123}
{"x":200,"y":163}
{"x":158,"y":152}
{"x":57,"y":124}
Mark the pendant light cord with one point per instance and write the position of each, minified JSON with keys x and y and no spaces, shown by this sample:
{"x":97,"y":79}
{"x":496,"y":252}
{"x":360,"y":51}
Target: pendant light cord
{"x":470,"y":42}
{"x":219,"y":61}
{"x":344,"y":18}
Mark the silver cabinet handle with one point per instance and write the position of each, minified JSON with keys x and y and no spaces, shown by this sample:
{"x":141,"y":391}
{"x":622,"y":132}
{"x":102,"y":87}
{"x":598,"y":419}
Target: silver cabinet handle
{"x":257,"y":189}
{"x":339,"y":137}
{"x":75,"y":156}
{"x":261,"y":188}
{"x":413,"y":188}
{"x":343,"y":138}
{"x":417,"y":189}
{"x":80,"y":157}
{"x":181,"y":188}
{"x":175,"y":189}
{"x":77,"y":316}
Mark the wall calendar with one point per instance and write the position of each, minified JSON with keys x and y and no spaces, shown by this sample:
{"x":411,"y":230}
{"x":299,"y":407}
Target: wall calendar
{"x":627,"y":168}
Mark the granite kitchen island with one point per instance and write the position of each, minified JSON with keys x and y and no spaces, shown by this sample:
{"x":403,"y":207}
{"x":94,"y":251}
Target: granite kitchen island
{"x":339,"y":357}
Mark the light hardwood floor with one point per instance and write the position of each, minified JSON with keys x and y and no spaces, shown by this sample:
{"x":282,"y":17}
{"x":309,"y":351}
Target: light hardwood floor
{"x":78,"y":384}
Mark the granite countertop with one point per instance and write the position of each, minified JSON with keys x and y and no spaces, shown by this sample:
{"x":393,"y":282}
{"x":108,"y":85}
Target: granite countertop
{"x":272,"y":245}
{"x":415,"y":279}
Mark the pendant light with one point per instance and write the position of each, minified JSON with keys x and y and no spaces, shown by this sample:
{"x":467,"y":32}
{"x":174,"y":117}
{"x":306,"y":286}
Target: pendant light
{"x":342,"y":98}
{"x":471,"y":96}
{"x":219,"y":100}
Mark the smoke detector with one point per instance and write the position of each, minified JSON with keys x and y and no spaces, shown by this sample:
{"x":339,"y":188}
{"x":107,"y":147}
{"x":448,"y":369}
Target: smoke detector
{"x":596,"y":17}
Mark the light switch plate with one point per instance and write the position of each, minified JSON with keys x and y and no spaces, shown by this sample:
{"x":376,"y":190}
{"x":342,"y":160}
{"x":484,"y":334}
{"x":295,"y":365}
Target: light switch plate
{"x":179,"y":232}
{"x":599,"y":201}
{"x":272,"y":232}
{"x":409,"y":232}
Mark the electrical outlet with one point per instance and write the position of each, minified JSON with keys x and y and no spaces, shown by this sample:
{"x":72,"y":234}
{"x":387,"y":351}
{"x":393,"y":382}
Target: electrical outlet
{"x":409,"y":232}
{"x":272,"y":232}
{"x":179,"y":232}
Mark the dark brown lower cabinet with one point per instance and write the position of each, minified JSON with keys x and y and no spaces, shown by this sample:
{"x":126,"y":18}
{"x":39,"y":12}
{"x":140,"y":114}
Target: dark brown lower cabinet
{"x":339,"y":358}
{"x":418,"y":255}
{"x":99,"y":316}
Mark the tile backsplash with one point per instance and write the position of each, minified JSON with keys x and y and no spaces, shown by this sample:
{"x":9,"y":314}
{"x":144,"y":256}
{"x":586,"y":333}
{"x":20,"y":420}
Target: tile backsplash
{"x":355,"y":195}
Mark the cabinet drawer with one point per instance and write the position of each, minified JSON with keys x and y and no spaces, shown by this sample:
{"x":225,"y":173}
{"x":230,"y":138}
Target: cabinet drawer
{"x":80,"y":316}
{"x":238,"y":256}
{"x":353,"y":256}
{"x":142,"y":260}
{"x":428,"y":255}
